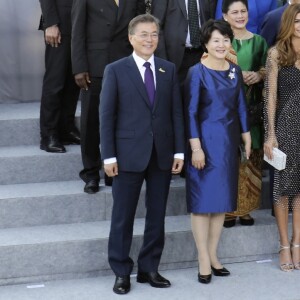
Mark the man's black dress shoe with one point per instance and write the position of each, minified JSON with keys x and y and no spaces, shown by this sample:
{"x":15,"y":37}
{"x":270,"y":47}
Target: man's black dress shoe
{"x":154,"y":278}
{"x":204,"y":278}
{"x":52,"y":144}
{"x":122,"y":285}
{"x":108,"y":180}
{"x":92,"y":186}
{"x":71,"y":138}
{"x":220,"y":272}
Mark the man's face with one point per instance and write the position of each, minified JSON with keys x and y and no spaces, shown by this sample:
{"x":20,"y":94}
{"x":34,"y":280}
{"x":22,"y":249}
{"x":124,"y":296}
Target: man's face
{"x":144,"y":40}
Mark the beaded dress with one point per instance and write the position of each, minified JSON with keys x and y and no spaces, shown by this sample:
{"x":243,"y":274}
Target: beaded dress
{"x":282,"y":123}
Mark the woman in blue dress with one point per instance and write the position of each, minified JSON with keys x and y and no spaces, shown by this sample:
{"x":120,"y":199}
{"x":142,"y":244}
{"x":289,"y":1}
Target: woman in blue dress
{"x":216,"y":118}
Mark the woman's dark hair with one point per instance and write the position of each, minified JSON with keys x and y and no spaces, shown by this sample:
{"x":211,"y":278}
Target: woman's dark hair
{"x":210,"y":26}
{"x":227,"y":3}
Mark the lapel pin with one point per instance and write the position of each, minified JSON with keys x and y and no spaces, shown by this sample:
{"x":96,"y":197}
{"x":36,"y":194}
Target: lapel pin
{"x":161,"y":70}
{"x":231,"y":74}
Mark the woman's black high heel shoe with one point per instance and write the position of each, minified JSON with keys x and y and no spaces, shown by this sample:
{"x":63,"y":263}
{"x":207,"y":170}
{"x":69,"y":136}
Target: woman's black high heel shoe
{"x":220,"y":272}
{"x":204,"y":278}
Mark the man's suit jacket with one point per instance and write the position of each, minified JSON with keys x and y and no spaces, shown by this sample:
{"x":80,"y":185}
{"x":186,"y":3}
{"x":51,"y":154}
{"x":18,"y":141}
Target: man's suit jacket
{"x":56,"y":12}
{"x":271,"y":24}
{"x":129,"y":126}
{"x":174,"y":26}
{"x":99,"y":33}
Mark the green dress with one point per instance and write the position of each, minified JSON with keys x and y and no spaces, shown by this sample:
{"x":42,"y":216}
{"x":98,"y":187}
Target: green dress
{"x":251,"y":56}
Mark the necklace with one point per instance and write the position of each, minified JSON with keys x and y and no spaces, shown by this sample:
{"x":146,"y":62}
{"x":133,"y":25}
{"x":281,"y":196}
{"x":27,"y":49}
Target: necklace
{"x":241,"y":38}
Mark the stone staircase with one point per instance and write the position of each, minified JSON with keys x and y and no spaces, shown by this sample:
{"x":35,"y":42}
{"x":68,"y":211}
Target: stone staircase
{"x":50,"y":229}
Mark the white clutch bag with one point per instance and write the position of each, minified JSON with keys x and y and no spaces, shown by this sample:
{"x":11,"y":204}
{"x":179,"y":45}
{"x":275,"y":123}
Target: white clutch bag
{"x":278,"y":161}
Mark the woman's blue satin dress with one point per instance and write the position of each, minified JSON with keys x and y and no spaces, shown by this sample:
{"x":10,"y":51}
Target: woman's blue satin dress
{"x":216,"y":112}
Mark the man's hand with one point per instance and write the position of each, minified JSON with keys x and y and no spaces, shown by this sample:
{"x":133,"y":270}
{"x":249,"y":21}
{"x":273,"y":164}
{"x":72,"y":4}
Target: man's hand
{"x":177,"y":165}
{"x":83,"y":80}
{"x":111,"y":170}
{"x":53,"y":36}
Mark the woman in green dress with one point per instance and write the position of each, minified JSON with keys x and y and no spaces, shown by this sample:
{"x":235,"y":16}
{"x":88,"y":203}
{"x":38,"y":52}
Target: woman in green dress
{"x":251,"y":51}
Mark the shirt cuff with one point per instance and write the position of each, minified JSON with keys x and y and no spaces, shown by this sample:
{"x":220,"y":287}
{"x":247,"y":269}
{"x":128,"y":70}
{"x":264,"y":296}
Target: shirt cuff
{"x":114,"y":159}
{"x":110,"y":160}
{"x":179,"y":155}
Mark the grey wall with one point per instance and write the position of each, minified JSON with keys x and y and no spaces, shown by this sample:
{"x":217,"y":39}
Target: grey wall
{"x":21,"y":51}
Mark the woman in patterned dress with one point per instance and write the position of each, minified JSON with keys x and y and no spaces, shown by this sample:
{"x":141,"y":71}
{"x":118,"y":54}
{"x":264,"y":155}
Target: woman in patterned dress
{"x":282,"y":130}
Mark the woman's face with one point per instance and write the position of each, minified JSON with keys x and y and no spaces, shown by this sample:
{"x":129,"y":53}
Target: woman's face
{"x":237,"y":15}
{"x":297,"y":26}
{"x":218,"y":45}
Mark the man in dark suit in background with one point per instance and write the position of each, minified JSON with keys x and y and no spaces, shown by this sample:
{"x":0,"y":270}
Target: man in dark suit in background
{"x":59,"y":93}
{"x":142,"y":138}
{"x":99,"y":36}
{"x":271,"y":23}
{"x":177,"y":42}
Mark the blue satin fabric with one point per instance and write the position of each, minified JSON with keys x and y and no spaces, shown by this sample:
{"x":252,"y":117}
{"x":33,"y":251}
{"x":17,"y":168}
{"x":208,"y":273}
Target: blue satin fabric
{"x":216,"y":112}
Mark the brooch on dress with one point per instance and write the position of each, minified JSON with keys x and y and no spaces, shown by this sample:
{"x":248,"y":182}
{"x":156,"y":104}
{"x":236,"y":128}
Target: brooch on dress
{"x":231,"y":74}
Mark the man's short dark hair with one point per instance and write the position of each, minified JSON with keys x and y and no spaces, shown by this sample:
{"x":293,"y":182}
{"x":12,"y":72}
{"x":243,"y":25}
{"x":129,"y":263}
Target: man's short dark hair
{"x":210,"y":26}
{"x":145,"y":18}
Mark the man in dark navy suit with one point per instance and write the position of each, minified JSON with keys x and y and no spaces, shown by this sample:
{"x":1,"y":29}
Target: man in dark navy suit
{"x":142,"y":138}
{"x":271,"y":23}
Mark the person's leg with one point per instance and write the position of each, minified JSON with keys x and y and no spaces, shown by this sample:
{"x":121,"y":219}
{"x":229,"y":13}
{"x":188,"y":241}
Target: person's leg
{"x":126,"y":191}
{"x":157,"y":190}
{"x":200,"y":229}
{"x":281,"y":210}
{"x":89,"y":128}
{"x":215,"y":230}
{"x":53,"y":85}
{"x":69,"y":101}
{"x":295,"y":244}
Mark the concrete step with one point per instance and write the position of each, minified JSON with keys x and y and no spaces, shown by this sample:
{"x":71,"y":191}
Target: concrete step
{"x":248,"y":281}
{"x":50,"y":203}
{"x":27,"y":164}
{"x":19,"y":123}
{"x":40,"y":253}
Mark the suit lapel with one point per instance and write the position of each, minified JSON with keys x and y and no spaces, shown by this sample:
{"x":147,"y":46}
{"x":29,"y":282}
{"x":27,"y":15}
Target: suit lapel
{"x":121,"y":8}
{"x":159,"y":74}
{"x":181,"y":4}
{"x":204,"y":11}
{"x":111,"y":3}
{"x":136,"y":78}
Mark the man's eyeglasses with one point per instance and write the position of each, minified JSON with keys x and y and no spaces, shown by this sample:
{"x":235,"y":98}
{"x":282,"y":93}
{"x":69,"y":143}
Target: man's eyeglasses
{"x":145,"y":36}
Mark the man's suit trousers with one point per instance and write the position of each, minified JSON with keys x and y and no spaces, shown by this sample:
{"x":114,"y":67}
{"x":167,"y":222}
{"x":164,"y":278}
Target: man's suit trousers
{"x":60,"y":92}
